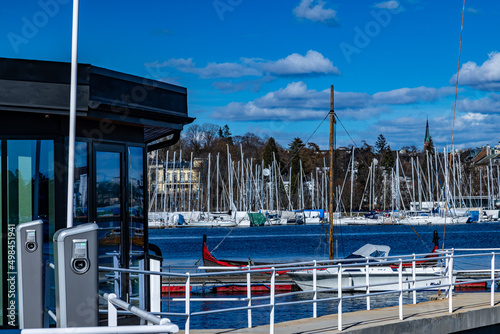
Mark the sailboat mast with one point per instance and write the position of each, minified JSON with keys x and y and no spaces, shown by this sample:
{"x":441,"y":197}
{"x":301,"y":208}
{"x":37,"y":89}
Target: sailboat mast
{"x":217,"y":183}
{"x":208,"y":186}
{"x":330,"y":220}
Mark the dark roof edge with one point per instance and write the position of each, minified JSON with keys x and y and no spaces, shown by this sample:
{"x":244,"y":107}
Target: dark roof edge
{"x":136,"y":79}
{"x":60,"y":72}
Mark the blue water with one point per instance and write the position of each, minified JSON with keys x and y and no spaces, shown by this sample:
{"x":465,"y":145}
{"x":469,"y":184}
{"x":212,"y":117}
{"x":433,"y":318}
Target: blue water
{"x":182,"y":247}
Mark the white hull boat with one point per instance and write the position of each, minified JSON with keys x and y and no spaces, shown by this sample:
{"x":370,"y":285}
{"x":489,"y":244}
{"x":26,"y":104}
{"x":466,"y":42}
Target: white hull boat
{"x":382,"y":276}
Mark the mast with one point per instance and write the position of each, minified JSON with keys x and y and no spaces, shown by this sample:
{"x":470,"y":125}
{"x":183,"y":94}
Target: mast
{"x":190,"y":180}
{"x":217,"y":183}
{"x":352,"y":180}
{"x":208,"y":186}
{"x":413,"y":184}
{"x":330,"y":220}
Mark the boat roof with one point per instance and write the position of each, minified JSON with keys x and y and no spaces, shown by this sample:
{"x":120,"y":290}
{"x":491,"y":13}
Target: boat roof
{"x":370,"y":250}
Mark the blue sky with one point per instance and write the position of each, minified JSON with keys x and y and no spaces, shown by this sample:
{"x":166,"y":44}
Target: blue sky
{"x":267,"y":66}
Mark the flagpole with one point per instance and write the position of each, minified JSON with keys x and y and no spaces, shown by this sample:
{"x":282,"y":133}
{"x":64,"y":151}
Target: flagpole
{"x":72,"y":115}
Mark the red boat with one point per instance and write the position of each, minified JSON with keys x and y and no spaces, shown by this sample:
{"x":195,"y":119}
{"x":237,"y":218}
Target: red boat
{"x":211,"y":261}
{"x":429,"y":260}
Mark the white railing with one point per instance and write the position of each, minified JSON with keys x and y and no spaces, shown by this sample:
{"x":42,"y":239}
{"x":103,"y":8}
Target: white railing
{"x":446,"y":259}
{"x":161,"y":325}
{"x":272,"y":300}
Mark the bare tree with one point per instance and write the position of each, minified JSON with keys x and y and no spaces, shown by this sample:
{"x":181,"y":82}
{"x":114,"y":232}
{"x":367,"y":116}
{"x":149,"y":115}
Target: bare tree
{"x":194,"y":137}
{"x":209,"y":132}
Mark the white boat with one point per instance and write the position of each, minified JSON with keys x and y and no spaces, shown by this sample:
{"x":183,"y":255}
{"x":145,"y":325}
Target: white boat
{"x":382,"y":277}
{"x":433,"y":220}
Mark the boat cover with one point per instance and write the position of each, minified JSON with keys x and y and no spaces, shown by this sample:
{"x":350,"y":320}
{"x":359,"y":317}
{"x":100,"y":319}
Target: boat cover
{"x":256,"y":218}
{"x":287,"y":215}
{"x":370,"y":250}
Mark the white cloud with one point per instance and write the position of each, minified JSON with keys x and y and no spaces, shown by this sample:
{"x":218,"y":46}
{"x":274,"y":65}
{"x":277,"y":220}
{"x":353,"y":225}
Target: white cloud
{"x":388,"y":4}
{"x":314,"y":10}
{"x":473,"y":118}
{"x":247,"y":85}
{"x":223,"y":70}
{"x":297,"y":102}
{"x":312,"y":63}
{"x":179,"y":62}
{"x":484,"y":77}
{"x":296,"y":94}
{"x":235,"y":111}
{"x":412,"y":95}
{"x":485,"y":105}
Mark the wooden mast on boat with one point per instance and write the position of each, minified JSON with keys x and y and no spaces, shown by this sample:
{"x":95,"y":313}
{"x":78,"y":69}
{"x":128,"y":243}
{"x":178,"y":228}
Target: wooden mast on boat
{"x":330,"y":209}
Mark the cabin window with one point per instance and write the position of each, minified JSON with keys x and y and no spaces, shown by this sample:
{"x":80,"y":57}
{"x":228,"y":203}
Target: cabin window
{"x":80,"y":210}
{"x":136,"y":201}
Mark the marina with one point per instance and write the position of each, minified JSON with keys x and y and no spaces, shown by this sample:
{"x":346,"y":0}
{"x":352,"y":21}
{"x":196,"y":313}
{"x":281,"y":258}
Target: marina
{"x":249,"y":167}
{"x":262,"y":244}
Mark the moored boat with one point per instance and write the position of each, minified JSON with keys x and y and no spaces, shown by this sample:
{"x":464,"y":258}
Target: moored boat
{"x":382,"y":276}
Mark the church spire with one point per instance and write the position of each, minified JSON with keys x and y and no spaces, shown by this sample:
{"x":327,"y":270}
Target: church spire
{"x":427,"y":138}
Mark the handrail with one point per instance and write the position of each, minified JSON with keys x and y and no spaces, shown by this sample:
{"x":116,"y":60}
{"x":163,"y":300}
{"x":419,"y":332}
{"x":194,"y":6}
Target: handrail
{"x":131,"y":308}
{"x":272,"y":301}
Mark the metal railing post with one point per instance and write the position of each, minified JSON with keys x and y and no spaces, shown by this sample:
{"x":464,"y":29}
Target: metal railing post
{"x":117,"y":276}
{"x":450,"y":282}
{"x":339,"y":294}
{"x":400,"y":282}
{"x":414,"y":277}
{"x":48,"y":283}
{"x":112,"y":312}
{"x":492,"y":278}
{"x":188,"y":303}
{"x":315,"y":294}
{"x":273,"y":293}
{"x":249,"y":296}
{"x":367,"y":276}
{"x":142,"y":289}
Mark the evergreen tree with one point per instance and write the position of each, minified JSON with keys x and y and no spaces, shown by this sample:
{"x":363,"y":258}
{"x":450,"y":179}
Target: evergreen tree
{"x":388,"y":159}
{"x":381,"y":144}
{"x":295,"y":146}
{"x":430,"y":147}
{"x":224,"y":132}
{"x":269,"y":149}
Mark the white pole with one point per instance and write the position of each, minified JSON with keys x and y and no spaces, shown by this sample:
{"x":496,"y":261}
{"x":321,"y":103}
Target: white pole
{"x":413,"y":184}
{"x":217,"y":182}
{"x":190,"y":180}
{"x":208,"y":186}
{"x":72,"y":116}
{"x":352,"y":181}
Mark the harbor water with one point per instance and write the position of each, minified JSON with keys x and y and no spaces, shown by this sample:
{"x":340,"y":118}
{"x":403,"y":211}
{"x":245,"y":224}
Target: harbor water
{"x":293,"y":243}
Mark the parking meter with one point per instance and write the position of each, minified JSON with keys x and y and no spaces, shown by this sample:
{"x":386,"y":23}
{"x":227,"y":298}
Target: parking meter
{"x":29,"y":240}
{"x":76,"y":276}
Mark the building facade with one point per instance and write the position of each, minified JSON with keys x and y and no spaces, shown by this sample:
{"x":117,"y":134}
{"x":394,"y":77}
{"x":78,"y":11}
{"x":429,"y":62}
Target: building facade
{"x":119,"y":119}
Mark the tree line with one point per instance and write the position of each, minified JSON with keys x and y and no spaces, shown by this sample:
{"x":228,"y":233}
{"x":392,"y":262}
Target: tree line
{"x":373,"y":165}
